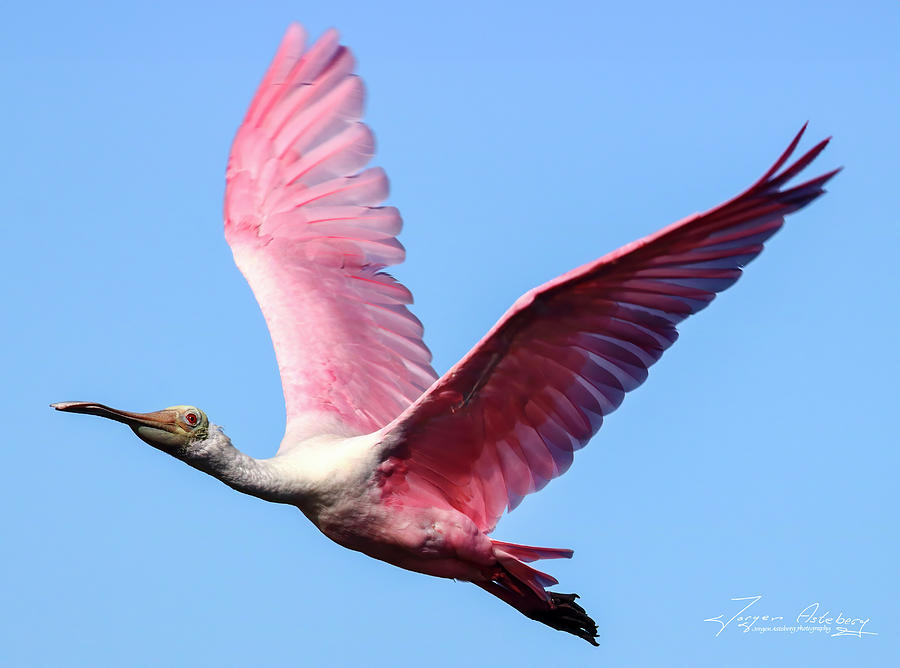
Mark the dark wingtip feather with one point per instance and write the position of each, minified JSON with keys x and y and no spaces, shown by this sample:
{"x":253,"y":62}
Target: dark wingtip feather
{"x":801,"y":195}
{"x":801,"y":163}
{"x":782,"y":159}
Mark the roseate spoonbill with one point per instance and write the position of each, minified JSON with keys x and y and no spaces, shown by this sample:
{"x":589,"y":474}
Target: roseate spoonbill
{"x":379,"y":453}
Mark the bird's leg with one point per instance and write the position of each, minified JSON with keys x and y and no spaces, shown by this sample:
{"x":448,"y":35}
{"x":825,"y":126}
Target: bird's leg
{"x":557,"y":610}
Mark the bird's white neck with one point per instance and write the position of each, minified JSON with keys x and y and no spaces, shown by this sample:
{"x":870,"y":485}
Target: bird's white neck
{"x":217,"y":456}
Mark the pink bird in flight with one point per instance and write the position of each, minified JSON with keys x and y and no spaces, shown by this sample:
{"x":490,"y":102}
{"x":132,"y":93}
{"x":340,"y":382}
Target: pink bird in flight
{"x":380,"y":453}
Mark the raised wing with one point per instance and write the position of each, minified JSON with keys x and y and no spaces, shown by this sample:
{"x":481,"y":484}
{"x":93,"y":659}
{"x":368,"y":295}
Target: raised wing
{"x":306,"y":232}
{"x":508,"y":417}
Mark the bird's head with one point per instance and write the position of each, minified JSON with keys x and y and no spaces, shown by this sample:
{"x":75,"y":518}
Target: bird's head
{"x":172,"y":430}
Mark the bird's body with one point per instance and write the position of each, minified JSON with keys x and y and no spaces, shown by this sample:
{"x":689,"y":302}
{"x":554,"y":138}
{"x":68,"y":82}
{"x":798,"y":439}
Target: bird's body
{"x":336,"y":482}
{"x":379,"y":453}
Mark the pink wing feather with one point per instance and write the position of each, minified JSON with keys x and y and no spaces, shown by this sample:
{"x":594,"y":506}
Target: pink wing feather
{"x":307,"y":233}
{"x":508,"y":417}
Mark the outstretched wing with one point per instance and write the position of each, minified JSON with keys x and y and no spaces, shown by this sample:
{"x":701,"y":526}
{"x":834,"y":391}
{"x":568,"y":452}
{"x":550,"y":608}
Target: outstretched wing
{"x":307,"y":233}
{"x":508,"y":417}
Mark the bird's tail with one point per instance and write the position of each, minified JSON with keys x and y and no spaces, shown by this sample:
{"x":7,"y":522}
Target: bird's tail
{"x":525,"y":589}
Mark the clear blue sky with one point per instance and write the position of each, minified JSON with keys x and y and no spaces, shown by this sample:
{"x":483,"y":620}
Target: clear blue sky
{"x":759,"y":459}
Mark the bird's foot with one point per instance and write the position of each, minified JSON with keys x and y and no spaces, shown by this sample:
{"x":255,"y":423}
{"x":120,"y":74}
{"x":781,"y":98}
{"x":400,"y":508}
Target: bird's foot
{"x":566,"y":615}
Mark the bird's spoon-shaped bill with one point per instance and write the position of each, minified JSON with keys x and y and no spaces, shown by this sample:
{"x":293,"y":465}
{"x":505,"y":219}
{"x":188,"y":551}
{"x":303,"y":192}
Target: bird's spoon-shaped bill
{"x":160,"y":429}
{"x":164,"y":419}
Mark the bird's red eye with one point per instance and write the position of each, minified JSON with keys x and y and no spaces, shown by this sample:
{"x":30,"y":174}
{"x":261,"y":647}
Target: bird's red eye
{"x":191,"y":419}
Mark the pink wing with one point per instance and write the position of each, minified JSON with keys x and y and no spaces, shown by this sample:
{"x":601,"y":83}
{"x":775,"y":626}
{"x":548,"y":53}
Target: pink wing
{"x":508,"y":417}
{"x":306,"y":232}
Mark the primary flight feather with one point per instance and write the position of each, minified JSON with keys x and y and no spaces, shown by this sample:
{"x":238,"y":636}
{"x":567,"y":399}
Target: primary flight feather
{"x":382,"y":455}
